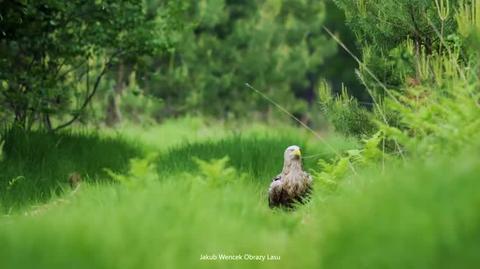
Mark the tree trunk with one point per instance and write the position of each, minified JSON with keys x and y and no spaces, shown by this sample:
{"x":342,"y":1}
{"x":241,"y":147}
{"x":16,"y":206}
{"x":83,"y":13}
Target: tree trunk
{"x":113,"y":113}
{"x":20,"y":120}
{"x":47,"y":123}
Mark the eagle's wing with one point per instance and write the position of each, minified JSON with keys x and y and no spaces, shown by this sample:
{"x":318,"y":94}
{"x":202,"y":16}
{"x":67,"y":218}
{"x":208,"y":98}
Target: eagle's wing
{"x":275,"y":191}
{"x":305,"y":196}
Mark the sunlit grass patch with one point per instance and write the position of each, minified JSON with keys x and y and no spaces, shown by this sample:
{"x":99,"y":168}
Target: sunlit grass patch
{"x":172,"y":132}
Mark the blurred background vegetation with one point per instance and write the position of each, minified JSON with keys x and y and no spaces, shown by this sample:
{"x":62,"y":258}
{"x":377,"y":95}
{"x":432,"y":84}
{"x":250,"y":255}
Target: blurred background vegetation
{"x":103,"y":62}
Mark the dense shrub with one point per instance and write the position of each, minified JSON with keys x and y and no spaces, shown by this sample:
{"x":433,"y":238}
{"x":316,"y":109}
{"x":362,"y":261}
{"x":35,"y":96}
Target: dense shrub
{"x":430,"y":103}
{"x":345,"y":114}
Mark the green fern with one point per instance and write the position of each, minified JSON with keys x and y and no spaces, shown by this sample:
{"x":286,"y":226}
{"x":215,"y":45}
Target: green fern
{"x":216,"y":172}
{"x":371,"y":151}
{"x":330,"y":174}
{"x":140,"y":174}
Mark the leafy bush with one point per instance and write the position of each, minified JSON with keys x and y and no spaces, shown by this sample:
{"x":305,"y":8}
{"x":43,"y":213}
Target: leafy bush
{"x":383,"y":27}
{"x":344,"y":112}
{"x":442,"y":113}
{"x":55,"y":54}
{"x":330,"y":174}
{"x":433,"y":105}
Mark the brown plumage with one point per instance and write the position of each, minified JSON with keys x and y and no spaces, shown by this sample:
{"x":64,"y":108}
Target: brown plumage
{"x":292,"y":185}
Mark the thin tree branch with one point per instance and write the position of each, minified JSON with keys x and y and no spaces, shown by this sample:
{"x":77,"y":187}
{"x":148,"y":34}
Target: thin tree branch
{"x":61,"y":76}
{"x":86,"y":102}
{"x":89,"y":95}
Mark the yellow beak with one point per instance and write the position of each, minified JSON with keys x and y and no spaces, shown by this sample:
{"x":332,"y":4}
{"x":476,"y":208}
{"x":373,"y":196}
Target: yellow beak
{"x":297,"y":153}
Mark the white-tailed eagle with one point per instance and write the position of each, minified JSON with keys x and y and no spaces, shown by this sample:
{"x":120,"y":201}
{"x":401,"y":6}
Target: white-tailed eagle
{"x":292,"y":185}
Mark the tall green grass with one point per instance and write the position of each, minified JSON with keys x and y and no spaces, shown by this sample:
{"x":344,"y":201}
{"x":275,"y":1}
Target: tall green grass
{"x":37,"y":164}
{"x":259,"y":155}
{"x":173,"y":132}
{"x":420,"y":216}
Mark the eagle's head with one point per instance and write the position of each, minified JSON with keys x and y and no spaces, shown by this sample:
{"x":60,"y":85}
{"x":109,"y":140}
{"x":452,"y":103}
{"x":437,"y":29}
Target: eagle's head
{"x":292,"y":153}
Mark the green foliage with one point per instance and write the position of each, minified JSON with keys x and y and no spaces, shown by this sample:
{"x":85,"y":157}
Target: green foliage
{"x":277,"y":46}
{"x":367,"y":221}
{"x":440,"y":122}
{"x":368,"y":203}
{"x":139,"y":107}
{"x":53,"y":54}
{"x":383,"y":28}
{"x":37,"y":164}
{"x":141,"y":173}
{"x":172,"y":132}
{"x":339,"y":69}
{"x":429,"y":205}
{"x":94,"y":61}
{"x":344,"y":112}
{"x":371,"y":150}
{"x":330,"y":174}
{"x":441,"y":113}
{"x":388,"y":23}
{"x":430,"y":104}
{"x":435,"y":113}
{"x":267,"y":159}
{"x":216,"y":172}
{"x":14,"y":181}
{"x":259,"y":154}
